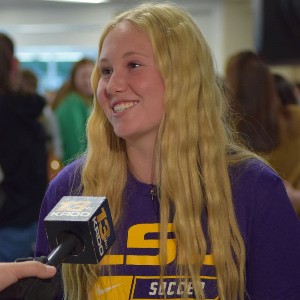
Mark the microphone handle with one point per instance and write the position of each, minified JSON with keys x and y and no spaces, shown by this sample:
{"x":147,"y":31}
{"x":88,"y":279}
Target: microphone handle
{"x":63,"y":250}
{"x":43,"y":289}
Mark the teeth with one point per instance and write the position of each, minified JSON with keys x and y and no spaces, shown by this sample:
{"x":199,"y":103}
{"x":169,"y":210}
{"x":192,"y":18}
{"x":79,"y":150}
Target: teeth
{"x":124,"y":105}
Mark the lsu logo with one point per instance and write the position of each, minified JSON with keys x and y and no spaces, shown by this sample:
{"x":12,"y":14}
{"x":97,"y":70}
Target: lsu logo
{"x":102,"y":231}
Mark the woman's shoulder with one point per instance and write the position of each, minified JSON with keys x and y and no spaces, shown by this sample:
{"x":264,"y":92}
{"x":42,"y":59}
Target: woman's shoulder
{"x":251,"y":171}
{"x":254,"y":181}
{"x":74,"y":97}
{"x":70,"y":100}
{"x":258,"y":192}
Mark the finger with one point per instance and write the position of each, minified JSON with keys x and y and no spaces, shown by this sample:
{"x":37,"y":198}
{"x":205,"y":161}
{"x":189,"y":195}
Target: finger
{"x":33,"y":269}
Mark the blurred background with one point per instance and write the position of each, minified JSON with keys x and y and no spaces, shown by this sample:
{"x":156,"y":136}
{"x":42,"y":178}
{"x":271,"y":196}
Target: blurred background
{"x":56,"y":45}
{"x":51,"y":35}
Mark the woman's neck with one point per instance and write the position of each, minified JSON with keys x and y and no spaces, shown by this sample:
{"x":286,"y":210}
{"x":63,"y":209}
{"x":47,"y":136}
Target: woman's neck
{"x":141,"y":162}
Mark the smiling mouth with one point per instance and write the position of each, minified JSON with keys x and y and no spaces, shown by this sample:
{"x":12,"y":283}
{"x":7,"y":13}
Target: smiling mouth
{"x":123,"y":106}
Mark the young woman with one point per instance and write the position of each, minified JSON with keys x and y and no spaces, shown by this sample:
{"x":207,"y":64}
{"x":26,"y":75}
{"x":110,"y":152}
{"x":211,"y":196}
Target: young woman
{"x":196,"y":215}
{"x":72,"y":107}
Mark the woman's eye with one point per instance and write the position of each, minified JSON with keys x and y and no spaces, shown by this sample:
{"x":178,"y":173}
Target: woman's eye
{"x":134,"y":65}
{"x":105,"y":71}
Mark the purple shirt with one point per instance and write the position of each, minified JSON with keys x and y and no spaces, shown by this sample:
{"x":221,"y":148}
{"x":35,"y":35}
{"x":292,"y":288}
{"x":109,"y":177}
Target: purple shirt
{"x":268,"y":223}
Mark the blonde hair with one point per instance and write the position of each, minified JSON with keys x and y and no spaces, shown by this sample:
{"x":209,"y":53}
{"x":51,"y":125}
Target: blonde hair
{"x":192,"y":174}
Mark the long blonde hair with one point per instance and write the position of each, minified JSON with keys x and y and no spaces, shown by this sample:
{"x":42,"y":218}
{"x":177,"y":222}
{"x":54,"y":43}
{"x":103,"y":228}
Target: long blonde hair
{"x":192,"y":173}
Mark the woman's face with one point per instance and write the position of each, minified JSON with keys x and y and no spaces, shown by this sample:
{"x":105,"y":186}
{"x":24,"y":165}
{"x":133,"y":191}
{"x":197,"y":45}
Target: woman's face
{"x":82,"y":79}
{"x":130,"y":89}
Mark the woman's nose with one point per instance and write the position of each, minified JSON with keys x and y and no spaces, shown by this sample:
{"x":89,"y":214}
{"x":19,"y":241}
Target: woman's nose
{"x":116,"y":83}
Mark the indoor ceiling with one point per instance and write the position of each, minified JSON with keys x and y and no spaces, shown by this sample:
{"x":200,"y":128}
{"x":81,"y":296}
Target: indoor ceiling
{"x":109,"y":2}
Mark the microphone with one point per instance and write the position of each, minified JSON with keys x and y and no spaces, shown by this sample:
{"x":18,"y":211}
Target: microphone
{"x":79,"y":230}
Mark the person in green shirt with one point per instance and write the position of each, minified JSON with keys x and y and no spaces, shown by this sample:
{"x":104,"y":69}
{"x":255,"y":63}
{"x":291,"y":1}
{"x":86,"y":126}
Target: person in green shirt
{"x":72,"y":107}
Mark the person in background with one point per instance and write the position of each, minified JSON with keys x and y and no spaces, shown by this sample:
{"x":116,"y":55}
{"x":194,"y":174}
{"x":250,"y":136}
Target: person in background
{"x":286,"y":157}
{"x":285,"y":90}
{"x":255,"y":99}
{"x":12,"y":272}
{"x":23,"y":159}
{"x":29,"y":84}
{"x":196,"y":214}
{"x":72,"y":107}
{"x":268,"y":125}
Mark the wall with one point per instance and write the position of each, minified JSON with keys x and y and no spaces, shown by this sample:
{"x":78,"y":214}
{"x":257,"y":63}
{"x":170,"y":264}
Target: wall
{"x":48,"y":26}
{"x":228,"y":25}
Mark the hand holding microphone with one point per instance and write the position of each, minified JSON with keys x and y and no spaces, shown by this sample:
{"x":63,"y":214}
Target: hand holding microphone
{"x":11,"y":272}
{"x":80,"y":231}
